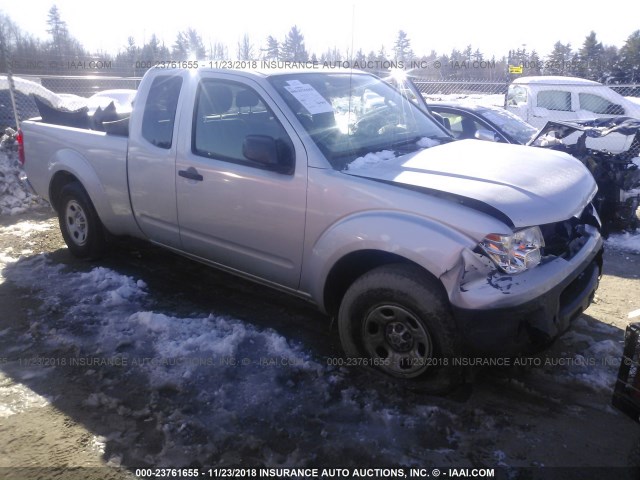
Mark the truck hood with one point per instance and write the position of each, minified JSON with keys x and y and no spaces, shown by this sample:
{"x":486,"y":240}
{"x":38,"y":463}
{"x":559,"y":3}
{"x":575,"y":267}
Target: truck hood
{"x":519,"y":185}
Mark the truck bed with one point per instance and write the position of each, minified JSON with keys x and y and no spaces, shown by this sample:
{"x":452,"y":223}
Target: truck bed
{"x":98,"y":158}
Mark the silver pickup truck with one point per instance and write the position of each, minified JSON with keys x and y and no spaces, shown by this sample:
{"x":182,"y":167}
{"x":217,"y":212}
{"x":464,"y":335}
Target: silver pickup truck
{"x":334,"y":187}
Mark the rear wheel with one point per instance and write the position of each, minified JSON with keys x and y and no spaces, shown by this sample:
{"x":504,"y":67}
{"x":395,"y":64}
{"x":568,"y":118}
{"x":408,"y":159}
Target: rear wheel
{"x":396,"y":319}
{"x":80,"y":225}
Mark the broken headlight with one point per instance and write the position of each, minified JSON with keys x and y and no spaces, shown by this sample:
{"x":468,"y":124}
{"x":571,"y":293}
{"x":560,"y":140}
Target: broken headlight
{"x":514,"y":253}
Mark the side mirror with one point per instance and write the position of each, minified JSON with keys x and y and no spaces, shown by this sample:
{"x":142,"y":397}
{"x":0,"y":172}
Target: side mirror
{"x":270,"y":153}
{"x":487,"y":135}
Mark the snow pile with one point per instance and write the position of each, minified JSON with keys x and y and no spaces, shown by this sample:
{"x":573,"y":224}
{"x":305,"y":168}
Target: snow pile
{"x":32,"y":88}
{"x":426,"y":142}
{"x":28,"y":87}
{"x":627,"y":241}
{"x":15,"y":197}
{"x":595,"y":362}
{"x":372,"y":159}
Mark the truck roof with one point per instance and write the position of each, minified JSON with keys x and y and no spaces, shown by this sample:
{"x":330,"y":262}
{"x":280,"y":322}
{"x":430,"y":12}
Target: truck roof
{"x":555,"y":80}
{"x":282,"y":68}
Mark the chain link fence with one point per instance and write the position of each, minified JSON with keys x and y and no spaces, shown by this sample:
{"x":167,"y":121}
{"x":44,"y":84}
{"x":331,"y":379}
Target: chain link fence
{"x":70,"y":91}
{"x":473,"y":87}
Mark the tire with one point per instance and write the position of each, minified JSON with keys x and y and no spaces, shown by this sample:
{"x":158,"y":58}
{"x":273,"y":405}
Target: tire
{"x":80,"y":225}
{"x":396,"y":319}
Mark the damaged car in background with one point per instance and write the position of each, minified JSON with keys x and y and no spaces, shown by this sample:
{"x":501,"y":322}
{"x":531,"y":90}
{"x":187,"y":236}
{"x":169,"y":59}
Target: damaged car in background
{"x":617,"y":174}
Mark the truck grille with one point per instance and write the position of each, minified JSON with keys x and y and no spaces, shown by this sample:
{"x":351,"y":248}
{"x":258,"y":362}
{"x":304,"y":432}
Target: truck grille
{"x":565,"y":239}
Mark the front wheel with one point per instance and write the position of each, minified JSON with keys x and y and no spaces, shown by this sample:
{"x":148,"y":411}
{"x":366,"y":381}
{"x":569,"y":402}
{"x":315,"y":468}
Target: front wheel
{"x":80,"y":225}
{"x":397,"y":320}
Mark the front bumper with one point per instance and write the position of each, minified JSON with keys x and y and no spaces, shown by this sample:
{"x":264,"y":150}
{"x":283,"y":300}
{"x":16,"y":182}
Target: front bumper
{"x":514,"y":314}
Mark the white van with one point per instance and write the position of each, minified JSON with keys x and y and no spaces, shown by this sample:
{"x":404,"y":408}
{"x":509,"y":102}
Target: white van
{"x":539,"y":99}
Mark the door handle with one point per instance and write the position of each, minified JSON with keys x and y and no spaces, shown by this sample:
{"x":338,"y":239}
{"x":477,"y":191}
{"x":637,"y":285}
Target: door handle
{"x":191,"y":174}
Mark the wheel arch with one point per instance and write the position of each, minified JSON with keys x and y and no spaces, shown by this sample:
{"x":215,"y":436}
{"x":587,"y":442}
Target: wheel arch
{"x":67,"y":166}
{"x":355,"y":264}
{"x":59,"y":180}
{"x":363,"y":242}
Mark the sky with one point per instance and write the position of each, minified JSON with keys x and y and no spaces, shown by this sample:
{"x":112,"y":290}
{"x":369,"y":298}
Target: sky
{"x":493,"y":27}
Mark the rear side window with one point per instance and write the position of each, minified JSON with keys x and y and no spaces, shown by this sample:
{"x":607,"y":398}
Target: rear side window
{"x":597,"y":104}
{"x":160,"y":111}
{"x":555,"y":100}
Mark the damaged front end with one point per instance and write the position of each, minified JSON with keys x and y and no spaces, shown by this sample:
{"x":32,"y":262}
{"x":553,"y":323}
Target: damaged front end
{"x":617,"y":174}
{"x":513,"y":313}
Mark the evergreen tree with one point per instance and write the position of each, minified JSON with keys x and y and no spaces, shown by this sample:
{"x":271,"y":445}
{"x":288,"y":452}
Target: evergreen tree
{"x":360,"y":58}
{"x":127,"y":59}
{"x":153,"y":50}
{"x":609,"y":61}
{"x":272,"y":51}
{"x":62,"y":46}
{"x":559,"y":62}
{"x":245,"y":48}
{"x":188,"y":46}
{"x":467,"y":53}
{"x":628,"y":65}
{"x":382,"y":55}
{"x":218,"y":51}
{"x":589,"y":59}
{"x":402,"y":48}
{"x":293,"y":48}
{"x":57,"y":28}
{"x":533,"y":65}
{"x":331,"y":55}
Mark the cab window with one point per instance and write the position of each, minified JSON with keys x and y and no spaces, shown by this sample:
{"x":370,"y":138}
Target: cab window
{"x":160,"y":111}
{"x":225,"y":114}
{"x":597,"y":104}
{"x":555,"y":100}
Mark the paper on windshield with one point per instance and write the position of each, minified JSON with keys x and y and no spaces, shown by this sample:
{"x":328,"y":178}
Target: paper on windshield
{"x":309,"y":97}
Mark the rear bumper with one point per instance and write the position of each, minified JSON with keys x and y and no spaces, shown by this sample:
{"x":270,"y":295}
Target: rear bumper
{"x":528,"y":324}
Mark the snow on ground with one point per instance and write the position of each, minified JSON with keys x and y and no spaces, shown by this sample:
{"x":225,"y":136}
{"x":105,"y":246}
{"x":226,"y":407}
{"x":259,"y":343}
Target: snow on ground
{"x":23,"y":229}
{"x":627,"y":241}
{"x":224,"y":371}
{"x":15,"y":397}
{"x":595,"y":363}
{"x":15,"y":198}
{"x":634,"y":99}
{"x":295,"y":409}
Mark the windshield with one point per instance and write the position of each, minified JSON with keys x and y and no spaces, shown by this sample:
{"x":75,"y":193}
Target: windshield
{"x":351,"y":115}
{"x":509,"y":123}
